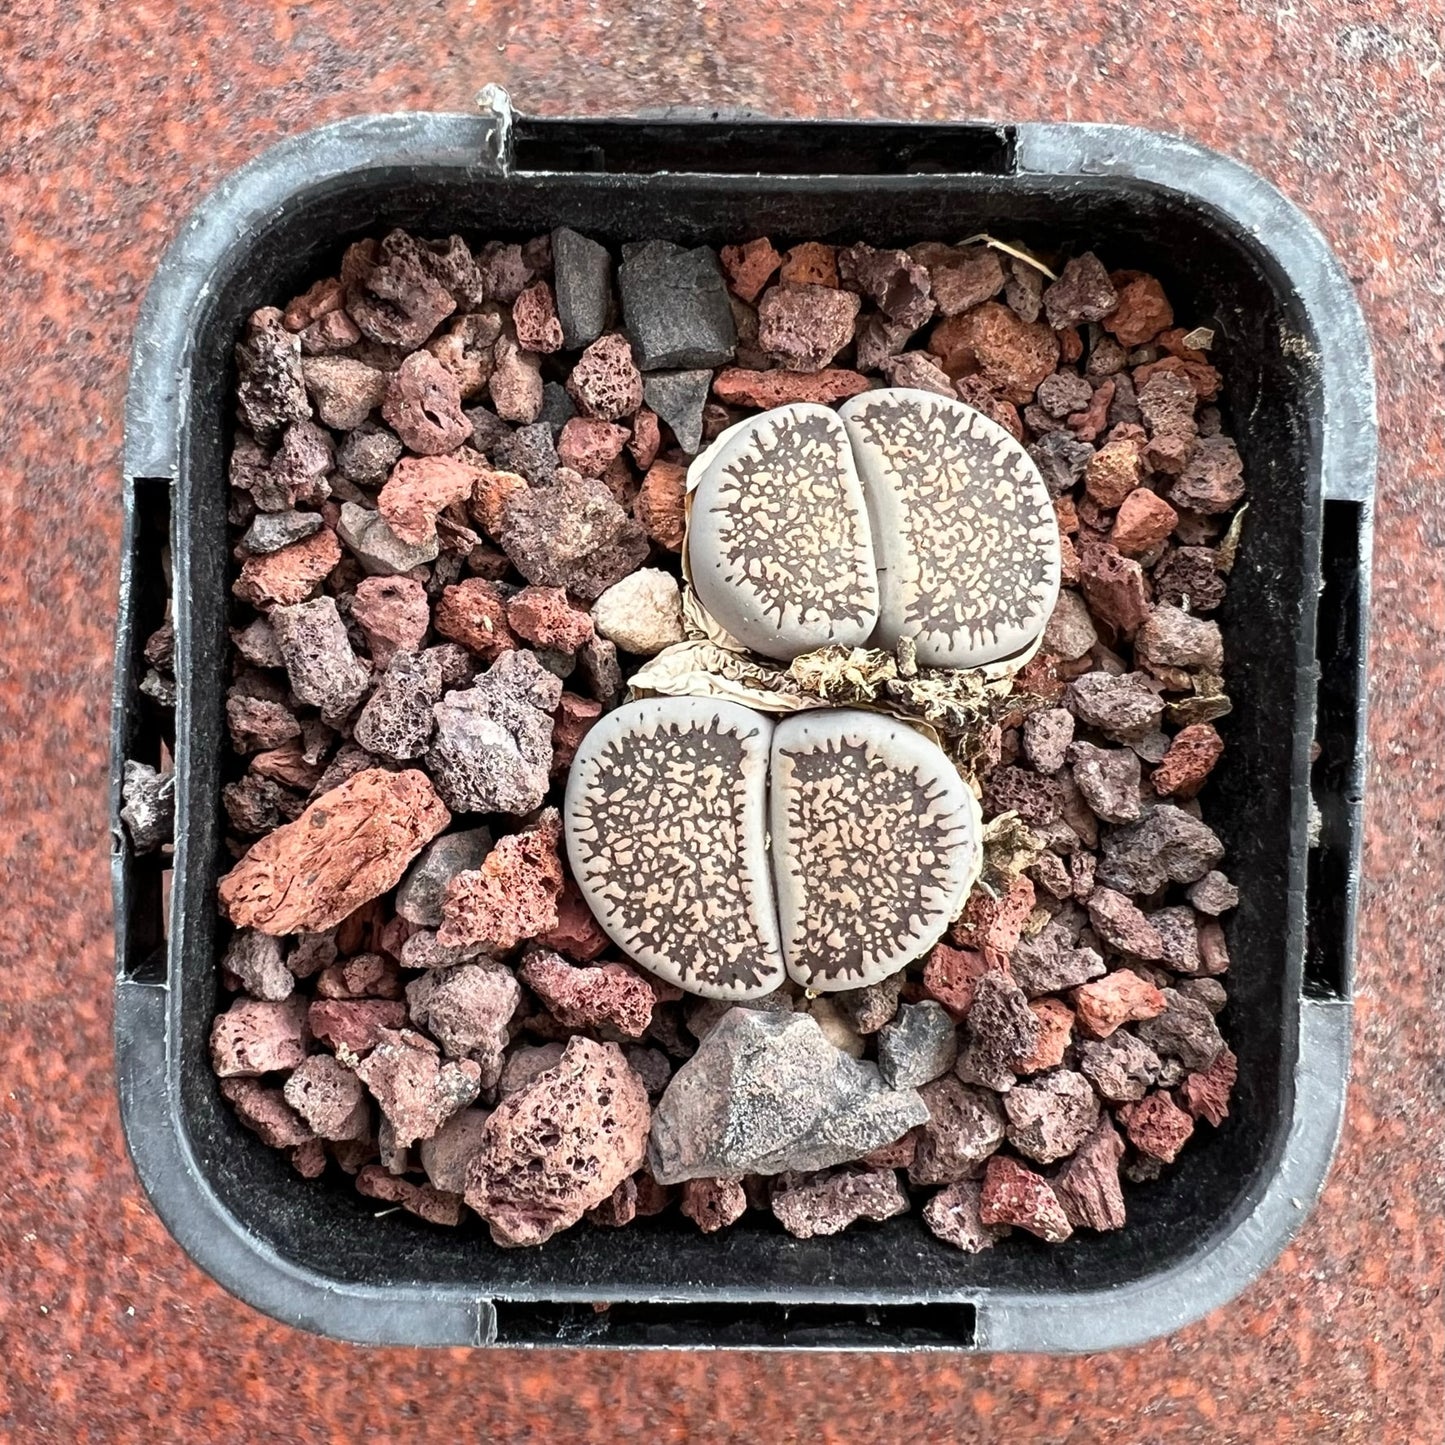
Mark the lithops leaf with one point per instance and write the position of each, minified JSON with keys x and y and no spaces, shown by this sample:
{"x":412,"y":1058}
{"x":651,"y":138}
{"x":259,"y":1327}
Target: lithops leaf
{"x":875,"y":841}
{"x":666,"y":834}
{"x":779,"y":548}
{"x":966,"y":537}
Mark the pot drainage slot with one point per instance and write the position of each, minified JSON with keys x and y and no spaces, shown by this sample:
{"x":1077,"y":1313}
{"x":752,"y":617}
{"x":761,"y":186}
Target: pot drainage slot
{"x":1337,"y":776}
{"x":762,"y":148}
{"x":763,"y":1326}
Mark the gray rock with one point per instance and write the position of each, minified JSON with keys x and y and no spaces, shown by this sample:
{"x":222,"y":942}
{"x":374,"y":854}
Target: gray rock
{"x":259,"y":961}
{"x":868,"y":1009}
{"x":1000,"y":1027}
{"x":271,"y":531}
{"x":678,"y":398}
{"x":954,"y":1215}
{"x":1109,"y":780}
{"x":368,"y":454}
{"x":324,"y":671}
{"x":397,"y":719}
{"x":964,"y":1127}
{"x":379,"y":550}
{"x":1047,"y":735}
{"x":675,"y":306}
{"x":148,"y":806}
{"x":493,"y":747}
{"x":1122,"y":708}
{"x":419,"y":898}
{"x":1214,"y":894}
{"x":448,"y":1154}
{"x":488,"y":429}
{"x":1051,"y":1115}
{"x":1052,"y":959}
{"x":1121,"y":1067}
{"x":1167,"y":845}
{"x":766,"y":1093}
{"x":582,"y":284}
{"x":920,"y":1044}
{"x":467,"y":1010}
{"x":531,"y":452}
{"x":1185,"y":1031}
{"x":557,"y":407}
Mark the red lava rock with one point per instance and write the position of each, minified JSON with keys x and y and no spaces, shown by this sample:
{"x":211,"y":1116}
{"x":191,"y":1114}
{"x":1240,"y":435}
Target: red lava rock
{"x":897,"y":1155}
{"x":811,"y":263}
{"x":559,"y":1146}
{"x":1192,"y":755}
{"x":1088,"y":1185}
{"x":767,"y":389}
{"x":1144,"y":520}
{"x":1070,"y":632}
{"x":713,"y":1204}
{"x":574,"y":718}
{"x":917,"y":369}
{"x":1013,"y":1194}
{"x":1083,"y":292}
{"x":1213,"y":950}
{"x":1047,"y":735}
{"x":1173,"y":638}
{"x":995,"y":923}
{"x":1142,"y":312}
{"x":329,"y":1097}
{"x":328,"y":334}
{"x":1114,"y":586}
{"x":355,"y":1024}
{"x":1012,"y":356}
{"x":965,"y":1125}
{"x":534,"y":316}
{"x":416,"y":1090}
{"x":1114,"y":472}
{"x":896,"y":284}
{"x":467,"y":349}
{"x":418,"y":489}
{"x":320,"y":299}
{"x":1055,"y":1033}
{"x":467,"y":1010}
{"x":545,"y":617}
{"x":1087,"y":424}
{"x":474,"y":613}
{"x":576,"y":932}
{"x":270,"y":391}
{"x":397,"y":303}
{"x":1000,"y":1027}
{"x":610,"y":994}
{"x":1204,"y":380}
{"x":393,"y":614}
{"x":367,"y":975}
{"x":289,"y":576}
{"x":1213,"y":481}
{"x":605,"y":382}
{"x":749,"y":267}
{"x":1167,"y":402}
{"x":590,"y":446}
{"x":1118,"y":998}
{"x":255,"y":1037}
{"x":1123,"y":926}
{"x":1157,"y":1127}
{"x":805,"y":327}
{"x":344,"y":391}
{"x":950,"y":975}
{"x":963,"y":277}
{"x":1064,"y":392}
{"x":424,"y":1200}
{"x":646,"y":438}
{"x":512,"y":896}
{"x":259,"y":722}
{"x":263,"y":1109}
{"x":661,"y":506}
{"x":351,"y":845}
{"x":1206,"y":1095}
{"x":954,"y":1216}
{"x":828,"y":1202}
{"x":516,"y":382}
{"x":423,"y":406}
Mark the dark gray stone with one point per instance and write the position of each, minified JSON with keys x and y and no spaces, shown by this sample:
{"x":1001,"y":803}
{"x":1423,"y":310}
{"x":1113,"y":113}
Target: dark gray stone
{"x":530,"y":451}
{"x":582,"y":284}
{"x":1166,"y":845}
{"x":557,"y":407}
{"x":1185,"y":1031}
{"x":324,"y":672}
{"x":271,"y":531}
{"x":919,"y":1045}
{"x":766,"y":1093}
{"x":148,"y":807}
{"x":379,"y":550}
{"x":678,"y":398}
{"x":419,"y":898}
{"x":675,"y":307}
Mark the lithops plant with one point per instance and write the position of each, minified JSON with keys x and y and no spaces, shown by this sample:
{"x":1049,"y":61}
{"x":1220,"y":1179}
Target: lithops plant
{"x":778,"y":542}
{"x":666,"y":831}
{"x":719,"y":849}
{"x":966,"y":536}
{"x":903,"y":514}
{"x":875,"y":845}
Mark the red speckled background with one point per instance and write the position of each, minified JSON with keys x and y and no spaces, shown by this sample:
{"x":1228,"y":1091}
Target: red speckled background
{"x":112,"y":119}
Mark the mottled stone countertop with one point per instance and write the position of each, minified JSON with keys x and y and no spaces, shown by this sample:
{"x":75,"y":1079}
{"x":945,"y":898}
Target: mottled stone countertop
{"x":112,"y":119}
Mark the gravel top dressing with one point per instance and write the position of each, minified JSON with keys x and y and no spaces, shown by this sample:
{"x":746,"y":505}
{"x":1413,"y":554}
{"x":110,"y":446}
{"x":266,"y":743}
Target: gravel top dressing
{"x":724,"y":732}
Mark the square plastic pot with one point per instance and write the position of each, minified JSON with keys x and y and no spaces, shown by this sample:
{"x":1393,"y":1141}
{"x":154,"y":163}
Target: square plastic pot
{"x":1300,"y":401}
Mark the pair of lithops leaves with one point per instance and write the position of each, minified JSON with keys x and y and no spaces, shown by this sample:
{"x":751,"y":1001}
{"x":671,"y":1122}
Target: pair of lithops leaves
{"x":725,"y":851}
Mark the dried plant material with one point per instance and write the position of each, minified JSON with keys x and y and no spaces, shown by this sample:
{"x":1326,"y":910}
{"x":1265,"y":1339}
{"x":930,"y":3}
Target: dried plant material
{"x":1017,"y":252}
{"x":1200,"y":339}
{"x":1224,"y":559}
{"x":1208,"y":703}
{"x":1009,"y":847}
{"x":843,"y":674}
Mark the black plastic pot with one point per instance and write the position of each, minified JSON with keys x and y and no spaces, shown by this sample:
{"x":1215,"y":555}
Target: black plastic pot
{"x":1300,"y":399}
